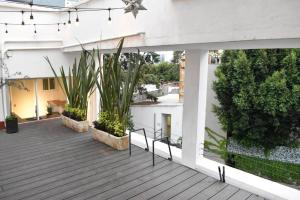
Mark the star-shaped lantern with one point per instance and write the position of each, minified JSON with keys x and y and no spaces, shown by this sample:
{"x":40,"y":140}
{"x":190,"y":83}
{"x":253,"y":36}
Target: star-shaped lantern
{"x":133,"y":6}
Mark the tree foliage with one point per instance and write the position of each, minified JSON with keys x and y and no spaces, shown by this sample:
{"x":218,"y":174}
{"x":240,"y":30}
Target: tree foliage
{"x":259,"y":95}
{"x":162,"y":72}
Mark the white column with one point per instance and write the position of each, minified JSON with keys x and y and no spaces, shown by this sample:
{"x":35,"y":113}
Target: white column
{"x":36,"y":99}
{"x":194,"y":108}
{"x":98,"y":64}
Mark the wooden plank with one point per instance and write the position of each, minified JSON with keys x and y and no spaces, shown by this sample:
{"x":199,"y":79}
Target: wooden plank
{"x":173,"y":191}
{"x":255,"y":197}
{"x":157,"y":189}
{"x":210,"y":191}
{"x":50,"y":168}
{"x":37,"y":187}
{"x":121,"y":189}
{"x":226,"y":193}
{"x":195,"y":189}
{"x":161,"y":167}
{"x":132,"y":190}
{"x":240,"y":195}
{"x":99,"y":180}
{"x":70,"y":168}
{"x":77,"y":153}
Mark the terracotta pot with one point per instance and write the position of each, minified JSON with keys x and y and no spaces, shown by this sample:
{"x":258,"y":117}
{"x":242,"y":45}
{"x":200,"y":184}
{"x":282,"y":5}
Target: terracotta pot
{"x":80,"y":127}
{"x":2,"y":125}
{"x":118,"y":143}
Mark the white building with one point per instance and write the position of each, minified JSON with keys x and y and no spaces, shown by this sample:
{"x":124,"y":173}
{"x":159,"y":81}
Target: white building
{"x":195,"y":26}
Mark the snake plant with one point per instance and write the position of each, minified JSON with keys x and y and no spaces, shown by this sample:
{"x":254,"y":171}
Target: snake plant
{"x":116,"y":85}
{"x":79,"y":82}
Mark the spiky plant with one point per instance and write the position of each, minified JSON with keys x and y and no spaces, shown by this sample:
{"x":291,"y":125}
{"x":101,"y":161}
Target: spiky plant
{"x":116,"y":85}
{"x":79,"y":82}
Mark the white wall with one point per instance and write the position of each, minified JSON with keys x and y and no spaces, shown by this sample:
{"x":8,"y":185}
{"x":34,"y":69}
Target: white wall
{"x":175,"y":22}
{"x":33,"y":64}
{"x":212,"y":121}
{"x":143,"y":117}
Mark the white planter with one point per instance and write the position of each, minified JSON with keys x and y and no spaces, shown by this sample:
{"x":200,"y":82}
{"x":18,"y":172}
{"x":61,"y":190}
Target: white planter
{"x":118,"y":143}
{"x":80,"y":127}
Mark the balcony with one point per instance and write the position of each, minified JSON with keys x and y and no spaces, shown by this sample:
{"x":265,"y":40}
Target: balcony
{"x":45,"y":160}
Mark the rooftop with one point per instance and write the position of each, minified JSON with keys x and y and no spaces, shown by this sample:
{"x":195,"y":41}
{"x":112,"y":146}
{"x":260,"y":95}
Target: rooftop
{"x":45,"y":160}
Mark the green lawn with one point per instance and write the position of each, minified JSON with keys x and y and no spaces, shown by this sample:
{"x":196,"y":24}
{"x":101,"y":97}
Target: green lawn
{"x":277,"y":171}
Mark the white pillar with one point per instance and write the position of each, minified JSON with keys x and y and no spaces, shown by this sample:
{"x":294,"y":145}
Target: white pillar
{"x":194,"y":108}
{"x":98,"y":64}
{"x":36,"y":99}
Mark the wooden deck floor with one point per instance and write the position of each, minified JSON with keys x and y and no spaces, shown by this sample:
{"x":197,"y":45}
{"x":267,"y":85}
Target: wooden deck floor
{"x":48,"y":161}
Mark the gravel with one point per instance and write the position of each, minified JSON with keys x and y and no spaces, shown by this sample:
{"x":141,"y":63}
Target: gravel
{"x":281,"y":153}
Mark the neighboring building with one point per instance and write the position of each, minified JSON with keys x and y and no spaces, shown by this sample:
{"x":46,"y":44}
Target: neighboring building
{"x":60,"y":3}
{"x":167,"y":114}
{"x":164,"y":117}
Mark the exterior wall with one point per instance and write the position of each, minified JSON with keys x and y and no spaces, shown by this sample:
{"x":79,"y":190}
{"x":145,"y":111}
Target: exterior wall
{"x":23,"y":102}
{"x":212,"y":121}
{"x":48,"y":95}
{"x":32,"y":63}
{"x":143,"y":117}
{"x":172,"y":22}
{"x":1,"y":108}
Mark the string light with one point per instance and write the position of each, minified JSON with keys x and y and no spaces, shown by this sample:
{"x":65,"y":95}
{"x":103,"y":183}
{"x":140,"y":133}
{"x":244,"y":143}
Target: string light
{"x":77,"y":18}
{"x":68,"y":10}
{"x":69,"y":22}
{"x":34,"y":28}
{"x":31,"y":15}
{"x":109,"y":16}
{"x":6,"y":31}
{"x":23,"y":23}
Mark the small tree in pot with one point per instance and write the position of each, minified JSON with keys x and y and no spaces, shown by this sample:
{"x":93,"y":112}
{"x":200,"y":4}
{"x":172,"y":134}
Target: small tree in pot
{"x":11,"y":124}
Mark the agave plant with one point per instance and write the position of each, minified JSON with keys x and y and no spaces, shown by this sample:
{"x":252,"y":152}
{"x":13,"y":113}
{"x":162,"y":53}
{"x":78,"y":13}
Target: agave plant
{"x":116,"y":85}
{"x":78,"y":83}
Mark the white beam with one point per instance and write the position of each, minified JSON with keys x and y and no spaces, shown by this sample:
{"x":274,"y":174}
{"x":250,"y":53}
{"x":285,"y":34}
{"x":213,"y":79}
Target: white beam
{"x":194,"y":108}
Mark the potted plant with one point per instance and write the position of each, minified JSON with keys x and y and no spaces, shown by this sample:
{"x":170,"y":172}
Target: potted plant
{"x":11,"y":124}
{"x":2,"y":125}
{"x":75,"y":119}
{"x":110,"y":131}
{"x":116,"y":86}
{"x":78,"y":84}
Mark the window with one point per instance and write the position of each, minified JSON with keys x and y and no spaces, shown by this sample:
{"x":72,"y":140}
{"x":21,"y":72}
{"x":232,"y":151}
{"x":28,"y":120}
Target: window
{"x":45,"y":84}
{"x":52,"y":83}
{"x":49,"y":84}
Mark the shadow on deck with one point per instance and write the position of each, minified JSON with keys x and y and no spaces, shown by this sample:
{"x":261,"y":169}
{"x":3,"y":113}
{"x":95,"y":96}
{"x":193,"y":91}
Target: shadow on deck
{"x":45,"y":160}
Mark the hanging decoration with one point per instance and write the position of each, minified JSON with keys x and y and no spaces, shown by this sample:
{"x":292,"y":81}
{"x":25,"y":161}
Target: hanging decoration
{"x":133,"y":6}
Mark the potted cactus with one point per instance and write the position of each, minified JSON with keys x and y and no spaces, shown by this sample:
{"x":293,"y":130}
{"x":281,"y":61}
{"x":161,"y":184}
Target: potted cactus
{"x":11,"y":124}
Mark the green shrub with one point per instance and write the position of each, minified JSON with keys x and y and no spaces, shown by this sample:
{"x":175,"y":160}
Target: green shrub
{"x":10,"y":118}
{"x":110,"y":124}
{"x":75,"y":113}
{"x":259,"y":95}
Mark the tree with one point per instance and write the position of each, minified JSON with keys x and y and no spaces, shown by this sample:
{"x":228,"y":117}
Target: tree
{"x":6,"y":75}
{"x":162,"y":72}
{"x":259,"y":95}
